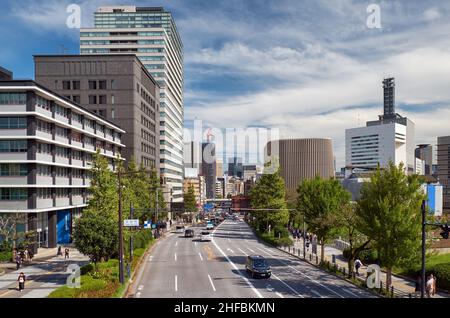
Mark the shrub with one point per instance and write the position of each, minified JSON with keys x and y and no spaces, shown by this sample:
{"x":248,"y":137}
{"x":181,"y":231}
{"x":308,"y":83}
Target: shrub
{"x":86,"y":268}
{"x":442,"y":272}
{"x":275,"y":241}
{"x":5,"y":246}
{"x":367,"y":256}
{"x":5,"y":256}
{"x":280,"y":231}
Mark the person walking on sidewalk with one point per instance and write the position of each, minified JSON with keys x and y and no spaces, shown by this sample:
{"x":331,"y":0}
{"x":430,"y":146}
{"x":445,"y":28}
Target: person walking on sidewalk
{"x":358,"y":265}
{"x":418,"y":284}
{"x":429,"y":287}
{"x":18,"y":261}
{"x":59,"y":253}
{"x":66,"y":253}
{"x":21,"y":279}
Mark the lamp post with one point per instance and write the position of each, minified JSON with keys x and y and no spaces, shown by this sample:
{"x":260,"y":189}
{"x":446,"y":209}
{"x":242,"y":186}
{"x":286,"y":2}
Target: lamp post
{"x":424,"y":237}
{"x":121,"y":275}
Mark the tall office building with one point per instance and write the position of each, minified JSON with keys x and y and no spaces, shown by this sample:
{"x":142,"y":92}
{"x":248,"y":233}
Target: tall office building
{"x":235,"y":167}
{"x":301,"y":159}
{"x":208,"y":168}
{"x":192,"y":154}
{"x":425,"y":154}
{"x":151,"y":34}
{"x":116,"y":87}
{"x":47,"y":144}
{"x":390,"y":138}
{"x":443,"y":169}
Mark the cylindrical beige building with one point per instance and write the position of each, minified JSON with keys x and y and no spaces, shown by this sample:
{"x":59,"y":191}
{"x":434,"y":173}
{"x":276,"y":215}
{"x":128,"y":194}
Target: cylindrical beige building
{"x":301,"y":159}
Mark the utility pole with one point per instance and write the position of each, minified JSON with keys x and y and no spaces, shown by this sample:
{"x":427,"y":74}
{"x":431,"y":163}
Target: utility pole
{"x":304,"y":237}
{"x":121,"y":276}
{"x":131,"y":236}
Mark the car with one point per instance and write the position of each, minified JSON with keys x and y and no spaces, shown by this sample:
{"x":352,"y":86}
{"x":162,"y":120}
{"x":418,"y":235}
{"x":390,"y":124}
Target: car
{"x":180,"y":228}
{"x":257,"y":266}
{"x":205,"y":236}
{"x":209,"y":226}
{"x":189,"y":233}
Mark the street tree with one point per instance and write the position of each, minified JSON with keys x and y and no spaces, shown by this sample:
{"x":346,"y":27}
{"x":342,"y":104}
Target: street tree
{"x":95,"y":235}
{"x":320,"y":200}
{"x":269,"y":193}
{"x":8,"y":227}
{"x":190,"y":203}
{"x":389,"y":214}
{"x":347,"y":220}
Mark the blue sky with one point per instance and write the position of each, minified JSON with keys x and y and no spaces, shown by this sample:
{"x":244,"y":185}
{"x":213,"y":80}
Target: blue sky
{"x":309,"y":68}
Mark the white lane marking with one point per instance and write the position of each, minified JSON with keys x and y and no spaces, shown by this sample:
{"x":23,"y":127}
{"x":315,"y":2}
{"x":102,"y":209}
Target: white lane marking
{"x":176,"y":243}
{"x":141,"y":287}
{"x":175,"y":257}
{"x":176,"y":283}
{"x":269,"y":288}
{"x":297,"y":271}
{"x":229,"y":240}
{"x":201,"y":258}
{"x":243,"y":252}
{"x":314,"y":292}
{"x":195,"y":243}
{"x":250,"y":250}
{"x":237,"y":269}
{"x":150,"y":258}
{"x":345,"y":290}
{"x":138,"y":295}
{"x":295,"y":292}
{"x":230,"y":250}
{"x":279,"y":295}
{"x":212,"y":284}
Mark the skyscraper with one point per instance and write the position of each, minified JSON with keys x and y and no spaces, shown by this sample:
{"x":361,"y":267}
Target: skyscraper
{"x":151,"y":34}
{"x":208,"y":168}
{"x":425,"y":153}
{"x":443,"y":170}
{"x":390,"y":138}
{"x":235,"y":167}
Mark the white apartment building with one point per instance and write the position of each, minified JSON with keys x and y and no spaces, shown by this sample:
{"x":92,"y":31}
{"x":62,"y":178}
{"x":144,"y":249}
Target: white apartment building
{"x":47,"y":144}
{"x":151,"y":34}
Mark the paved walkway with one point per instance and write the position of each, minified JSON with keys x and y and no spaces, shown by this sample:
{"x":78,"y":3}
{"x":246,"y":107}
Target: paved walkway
{"x":401,"y":284}
{"x":45,"y":274}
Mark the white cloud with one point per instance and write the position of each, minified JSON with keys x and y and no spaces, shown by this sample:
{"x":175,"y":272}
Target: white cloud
{"x":432,"y":14}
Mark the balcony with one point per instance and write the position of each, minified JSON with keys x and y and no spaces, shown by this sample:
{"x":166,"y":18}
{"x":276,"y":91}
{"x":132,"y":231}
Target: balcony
{"x":61,"y":118}
{"x":44,"y":157}
{"x":77,"y":144}
{"x":77,"y":181}
{"x":13,"y":132}
{"x":62,"y":181}
{"x":77,"y":124}
{"x":77,"y":200}
{"x":44,"y":203}
{"x":13,"y":205}
{"x":77,"y":163}
{"x":6,"y":156}
{"x":44,"y":134}
{"x":62,"y":139}
{"x":60,"y":202}
{"x":89,"y":147}
{"x":16,"y":180}
{"x":44,"y":180}
{"x":62,"y":160}
{"x":43,"y":111}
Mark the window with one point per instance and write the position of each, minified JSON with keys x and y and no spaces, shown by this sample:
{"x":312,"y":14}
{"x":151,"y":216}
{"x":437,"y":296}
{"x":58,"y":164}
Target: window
{"x":44,"y":126}
{"x":113,"y":84}
{"x":92,"y":99}
{"x":76,"y":155}
{"x":113,"y":99}
{"x":102,"y":112}
{"x":102,"y":99}
{"x":44,"y":148}
{"x":102,"y":84}
{"x":44,"y":170}
{"x":63,"y":132}
{"x":44,"y":193}
{"x":43,"y":103}
{"x":76,"y":99}
{"x":13,"y":194}
{"x":113,"y":113}
{"x":92,"y":84}
{"x":13,"y":170}
{"x":66,"y":85}
{"x":75,"y":84}
{"x":13,"y":122}
{"x":62,"y":152}
{"x":13,"y":146}
{"x":13,"y":98}
{"x":61,"y":111}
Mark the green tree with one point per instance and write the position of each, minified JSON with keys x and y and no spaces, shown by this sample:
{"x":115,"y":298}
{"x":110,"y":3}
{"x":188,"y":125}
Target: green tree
{"x":190,"y":203}
{"x":319,"y":201}
{"x":103,"y":188}
{"x":347,"y":220}
{"x":269,"y":193}
{"x":96,"y":235}
{"x":389,"y":214}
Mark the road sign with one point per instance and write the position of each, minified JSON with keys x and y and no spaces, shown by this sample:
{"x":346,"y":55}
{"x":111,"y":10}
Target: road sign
{"x":131,"y":223}
{"x":147,"y":224}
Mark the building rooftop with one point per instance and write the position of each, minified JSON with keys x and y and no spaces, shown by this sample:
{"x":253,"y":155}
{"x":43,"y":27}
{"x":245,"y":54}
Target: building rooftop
{"x":31,"y":83}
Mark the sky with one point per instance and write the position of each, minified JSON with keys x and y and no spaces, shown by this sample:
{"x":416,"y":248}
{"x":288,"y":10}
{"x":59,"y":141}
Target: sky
{"x":308,"y":68}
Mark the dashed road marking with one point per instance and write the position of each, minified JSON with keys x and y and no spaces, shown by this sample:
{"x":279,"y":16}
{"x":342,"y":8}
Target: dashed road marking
{"x":279,"y":295}
{"x":176,"y":283}
{"x":212,"y":284}
{"x":292,"y":289}
{"x":141,"y":287}
{"x":201,"y":258}
{"x":243,"y":252}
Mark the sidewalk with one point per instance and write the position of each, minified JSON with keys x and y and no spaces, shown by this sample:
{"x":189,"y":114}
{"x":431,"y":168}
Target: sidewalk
{"x":45,"y":274}
{"x":401,"y":284}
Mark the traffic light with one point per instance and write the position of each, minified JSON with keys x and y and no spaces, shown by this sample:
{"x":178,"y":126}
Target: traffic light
{"x":445,"y":231}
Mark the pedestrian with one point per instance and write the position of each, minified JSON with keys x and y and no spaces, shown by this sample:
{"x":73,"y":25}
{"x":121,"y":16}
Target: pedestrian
{"x":66,"y":253}
{"x":30,"y":255}
{"x":429,"y":287}
{"x":21,"y":279}
{"x":433,"y":290}
{"x":18,"y":261}
{"x":358,"y":265}
{"x":418,"y":283}
{"x":59,"y":253}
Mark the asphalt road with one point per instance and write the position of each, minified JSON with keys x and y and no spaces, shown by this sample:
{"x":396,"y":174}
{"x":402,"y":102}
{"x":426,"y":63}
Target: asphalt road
{"x":181,"y":267}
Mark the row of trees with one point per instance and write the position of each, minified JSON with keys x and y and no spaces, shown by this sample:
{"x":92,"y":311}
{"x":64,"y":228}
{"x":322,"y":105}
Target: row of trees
{"x":387,"y":218}
{"x":96,"y":231}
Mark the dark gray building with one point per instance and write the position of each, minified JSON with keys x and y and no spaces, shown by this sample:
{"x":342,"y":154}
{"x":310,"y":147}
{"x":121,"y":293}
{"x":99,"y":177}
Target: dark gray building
{"x":443,"y":169}
{"x":5,"y":74}
{"x":208,"y":168}
{"x":235,"y":167}
{"x":116,"y":87}
{"x":425,"y":153}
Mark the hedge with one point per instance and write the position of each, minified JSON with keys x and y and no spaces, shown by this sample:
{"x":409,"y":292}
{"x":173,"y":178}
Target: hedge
{"x":442,"y":273}
{"x":275,"y":241}
{"x":6,"y":256}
